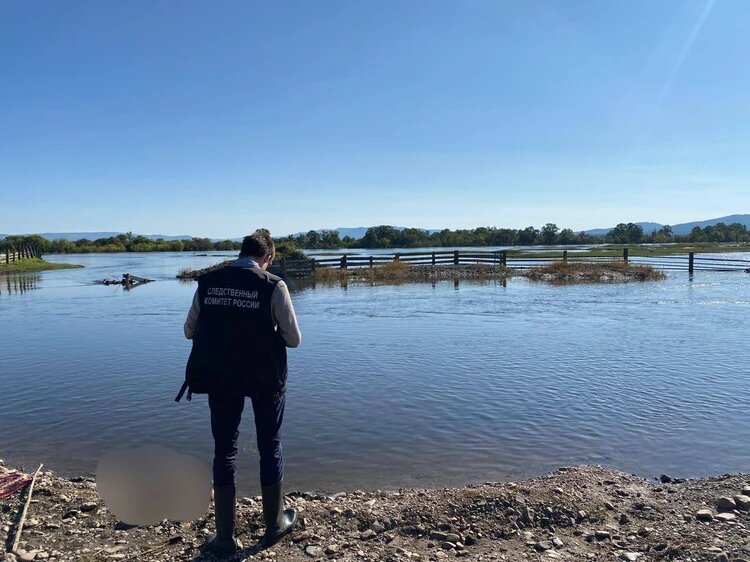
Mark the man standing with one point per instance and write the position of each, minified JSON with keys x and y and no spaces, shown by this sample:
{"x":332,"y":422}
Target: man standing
{"x":241,"y":322}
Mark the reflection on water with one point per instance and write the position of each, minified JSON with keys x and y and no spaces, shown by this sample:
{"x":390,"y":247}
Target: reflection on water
{"x":424,"y":384}
{"x":15,"y":284}
{"x":306,"y":283}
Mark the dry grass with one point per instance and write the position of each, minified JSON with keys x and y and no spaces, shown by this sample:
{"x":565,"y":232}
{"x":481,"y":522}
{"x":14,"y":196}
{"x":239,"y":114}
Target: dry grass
{"x":611,"y":272}
{"x":397,"y":272}
{"x":188,"y":273}
{"x":387,"y":271}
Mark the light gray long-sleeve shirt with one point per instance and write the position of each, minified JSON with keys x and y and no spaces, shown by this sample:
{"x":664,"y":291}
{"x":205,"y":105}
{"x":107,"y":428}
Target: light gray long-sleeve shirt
{"x":281,"y":309}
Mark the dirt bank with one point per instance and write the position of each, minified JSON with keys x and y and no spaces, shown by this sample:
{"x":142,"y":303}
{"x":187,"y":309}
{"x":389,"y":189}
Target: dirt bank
{"x":584,"y":513}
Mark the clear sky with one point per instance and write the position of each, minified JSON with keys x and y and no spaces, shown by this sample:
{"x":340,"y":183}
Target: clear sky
{"x":213,"y":118}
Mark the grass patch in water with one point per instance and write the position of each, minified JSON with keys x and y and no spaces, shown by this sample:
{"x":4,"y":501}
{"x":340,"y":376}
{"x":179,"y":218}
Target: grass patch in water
{"x":567,"y":273}
{"x":32,"y":265}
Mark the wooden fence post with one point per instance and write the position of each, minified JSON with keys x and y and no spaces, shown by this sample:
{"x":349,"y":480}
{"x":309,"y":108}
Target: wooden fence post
{"x":312,"y":266}
{"x":505,"y":258}
{"x":397,"y":257}
{"x":565,"y":255}
{"x":433,"y":258}
{"x":283,"y":264}
{"x":691,"y":262}
{"x":625,"y":255}
{"x":343,"y":261}
{"x":371,"y":262}
{"x":455,"y":257}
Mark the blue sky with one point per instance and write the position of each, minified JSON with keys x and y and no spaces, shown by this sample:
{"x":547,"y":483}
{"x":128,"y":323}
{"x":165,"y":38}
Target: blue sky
{"x":214,"y":118}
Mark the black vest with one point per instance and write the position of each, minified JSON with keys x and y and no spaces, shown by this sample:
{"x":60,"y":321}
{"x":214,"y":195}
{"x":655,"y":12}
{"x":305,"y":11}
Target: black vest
{"x":236,"y":346}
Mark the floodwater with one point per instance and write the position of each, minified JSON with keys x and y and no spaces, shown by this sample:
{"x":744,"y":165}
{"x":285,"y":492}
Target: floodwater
{"x":393,"y":386}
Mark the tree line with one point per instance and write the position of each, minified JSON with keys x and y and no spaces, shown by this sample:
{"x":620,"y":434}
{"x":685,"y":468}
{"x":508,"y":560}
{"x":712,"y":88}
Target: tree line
{"x":389,"y":237}
{"x":550,"y":234}
{"x":121,"y":243}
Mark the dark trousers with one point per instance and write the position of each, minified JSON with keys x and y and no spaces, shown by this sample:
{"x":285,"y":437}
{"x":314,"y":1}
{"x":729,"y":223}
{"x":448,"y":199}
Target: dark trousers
{"x":226,"y":413}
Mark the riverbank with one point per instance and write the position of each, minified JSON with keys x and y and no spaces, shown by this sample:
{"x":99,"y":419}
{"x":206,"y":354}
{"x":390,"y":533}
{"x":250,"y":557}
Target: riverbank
{"x":33,"y":265}
{"x":580,"y":513}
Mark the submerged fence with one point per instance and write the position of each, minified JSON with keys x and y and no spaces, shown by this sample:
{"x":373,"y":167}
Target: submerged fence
{"x":25,"y":252}
{"x":689,"y":262}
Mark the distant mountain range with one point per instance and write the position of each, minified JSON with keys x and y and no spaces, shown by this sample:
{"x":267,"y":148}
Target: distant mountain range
{"x":359,"y":231}
{"x":682,"y":228}
{"x":356,"y":232}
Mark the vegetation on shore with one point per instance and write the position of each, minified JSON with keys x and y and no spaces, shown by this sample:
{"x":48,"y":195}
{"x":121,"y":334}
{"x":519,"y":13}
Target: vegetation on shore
{"x":550,"y":235}
{"x":718,"y":238}
{"x":120,"y":243}
{"x":33,"y":264}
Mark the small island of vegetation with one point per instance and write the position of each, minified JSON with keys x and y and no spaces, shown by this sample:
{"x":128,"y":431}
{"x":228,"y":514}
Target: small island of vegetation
{"x":33,"y":265}
{"x":398,"y":272}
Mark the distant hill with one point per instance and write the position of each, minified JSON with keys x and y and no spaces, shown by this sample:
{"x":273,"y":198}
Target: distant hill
{"x":682,"y":228}
{"x":647,"y":228}
{"x":685,"y":228}
{"x":358,"y":231}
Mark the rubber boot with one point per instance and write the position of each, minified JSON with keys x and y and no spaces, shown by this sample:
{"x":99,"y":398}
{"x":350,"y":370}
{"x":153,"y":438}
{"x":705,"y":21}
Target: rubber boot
{"x":279,"y":521}
{"x":223,"y":541}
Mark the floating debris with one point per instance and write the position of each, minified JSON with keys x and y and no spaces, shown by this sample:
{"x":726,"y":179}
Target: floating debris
{"x":128,"y":281}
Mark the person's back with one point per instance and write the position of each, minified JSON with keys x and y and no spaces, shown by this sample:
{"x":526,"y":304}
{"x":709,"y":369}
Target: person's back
{"x":236,"y":323}
{"x":241,"y":322}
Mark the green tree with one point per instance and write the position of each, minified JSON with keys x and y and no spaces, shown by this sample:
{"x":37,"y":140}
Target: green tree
{"x":566,"y":237}
{"x":527,"y":236}
{"x":379,"y":237}
{"x":549,"y":233}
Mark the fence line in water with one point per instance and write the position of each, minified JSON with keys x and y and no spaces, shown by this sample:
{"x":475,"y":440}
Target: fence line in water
{"x":689,"y":262}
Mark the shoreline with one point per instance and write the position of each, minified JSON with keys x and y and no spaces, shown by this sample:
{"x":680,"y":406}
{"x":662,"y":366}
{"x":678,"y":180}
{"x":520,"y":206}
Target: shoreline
{"x":574,"y":513}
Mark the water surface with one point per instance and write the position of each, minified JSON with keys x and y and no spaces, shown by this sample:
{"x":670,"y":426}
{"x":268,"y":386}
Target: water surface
{"x":411,"y":385}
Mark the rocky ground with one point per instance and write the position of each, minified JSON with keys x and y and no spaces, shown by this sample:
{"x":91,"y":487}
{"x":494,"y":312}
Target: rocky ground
{"x":582,"y":513}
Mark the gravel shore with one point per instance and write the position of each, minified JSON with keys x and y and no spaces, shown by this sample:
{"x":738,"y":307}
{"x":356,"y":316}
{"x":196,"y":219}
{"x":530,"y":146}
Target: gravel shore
{"x":579,"y":513}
